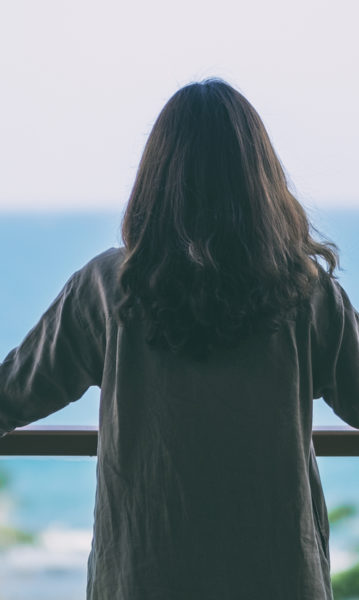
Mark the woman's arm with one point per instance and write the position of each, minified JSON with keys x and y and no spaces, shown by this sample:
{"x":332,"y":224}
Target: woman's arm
{"x":53,"y":366}
{"x":335,"y":353}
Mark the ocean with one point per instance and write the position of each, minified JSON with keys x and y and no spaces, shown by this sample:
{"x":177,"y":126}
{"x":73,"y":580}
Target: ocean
{"x":46,"y":504}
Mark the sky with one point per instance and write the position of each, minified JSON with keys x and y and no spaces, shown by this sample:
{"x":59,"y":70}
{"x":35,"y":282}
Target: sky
{"x":82,"y":82}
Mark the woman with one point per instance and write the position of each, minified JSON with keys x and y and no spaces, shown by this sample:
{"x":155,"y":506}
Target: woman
{"x":209,"y":332}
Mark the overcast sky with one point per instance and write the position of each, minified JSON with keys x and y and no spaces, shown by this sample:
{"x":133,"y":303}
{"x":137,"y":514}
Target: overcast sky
{"x":82,"y":82}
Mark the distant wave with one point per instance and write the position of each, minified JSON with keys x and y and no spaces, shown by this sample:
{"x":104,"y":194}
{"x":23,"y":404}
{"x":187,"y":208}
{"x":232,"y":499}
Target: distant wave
{"x":341,"y":559}
{"x":56,"y":549}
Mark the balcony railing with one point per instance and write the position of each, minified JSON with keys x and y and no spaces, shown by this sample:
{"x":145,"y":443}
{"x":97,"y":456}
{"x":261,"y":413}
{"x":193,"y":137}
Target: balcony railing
{"x":45,"y":440}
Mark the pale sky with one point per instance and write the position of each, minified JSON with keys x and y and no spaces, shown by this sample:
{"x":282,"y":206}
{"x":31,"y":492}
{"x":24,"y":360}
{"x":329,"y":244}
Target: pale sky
{"x":82,"y":81}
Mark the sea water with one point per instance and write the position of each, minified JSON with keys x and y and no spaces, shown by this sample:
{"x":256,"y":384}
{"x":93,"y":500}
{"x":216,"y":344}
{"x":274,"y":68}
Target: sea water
{"x":51,"y":500}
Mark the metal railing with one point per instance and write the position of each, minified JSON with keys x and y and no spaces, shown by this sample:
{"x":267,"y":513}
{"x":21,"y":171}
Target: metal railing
{"x":45,"y":440}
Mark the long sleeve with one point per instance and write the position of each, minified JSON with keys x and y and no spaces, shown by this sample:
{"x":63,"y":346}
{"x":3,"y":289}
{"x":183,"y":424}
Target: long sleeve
{"x":53,"y":366}
{"x":335,"y":344}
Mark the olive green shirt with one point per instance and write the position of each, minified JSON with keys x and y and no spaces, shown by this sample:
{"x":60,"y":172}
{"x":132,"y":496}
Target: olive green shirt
{"x":207,"y":481}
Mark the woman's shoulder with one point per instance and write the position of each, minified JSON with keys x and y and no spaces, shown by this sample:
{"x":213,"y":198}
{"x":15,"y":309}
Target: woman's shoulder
{"x":332,"y":312}
{"x":97,"y":282}
{"x":107,"y":260}
{"x":102,"y":268}
{"x":323,"y":306}
{"x":327,"y":290}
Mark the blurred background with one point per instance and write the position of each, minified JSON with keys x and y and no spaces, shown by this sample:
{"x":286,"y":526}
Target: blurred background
{"x":81,"y":84}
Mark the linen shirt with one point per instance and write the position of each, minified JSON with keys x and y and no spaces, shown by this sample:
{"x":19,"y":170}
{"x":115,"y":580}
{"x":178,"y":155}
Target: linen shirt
{"x":207,"y":481}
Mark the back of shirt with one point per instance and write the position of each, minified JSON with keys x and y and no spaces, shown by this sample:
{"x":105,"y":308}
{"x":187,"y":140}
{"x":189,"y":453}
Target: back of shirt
{"x":207,"y":482}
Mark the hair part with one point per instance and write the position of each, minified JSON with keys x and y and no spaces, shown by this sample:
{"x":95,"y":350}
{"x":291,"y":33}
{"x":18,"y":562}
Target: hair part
{"x":217,"y":246}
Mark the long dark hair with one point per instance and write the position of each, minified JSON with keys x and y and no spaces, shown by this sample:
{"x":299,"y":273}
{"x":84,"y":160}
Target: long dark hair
{"x":217,"y":246}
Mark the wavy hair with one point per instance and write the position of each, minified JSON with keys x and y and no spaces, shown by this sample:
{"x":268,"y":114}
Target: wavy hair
{"x":217,"y":247}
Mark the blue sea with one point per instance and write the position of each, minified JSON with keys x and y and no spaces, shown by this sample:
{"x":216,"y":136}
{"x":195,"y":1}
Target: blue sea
{"x":51,"y":500}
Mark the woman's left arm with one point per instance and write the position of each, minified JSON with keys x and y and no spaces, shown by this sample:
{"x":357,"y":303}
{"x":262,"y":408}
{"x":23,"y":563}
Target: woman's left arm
{"x":55,"y":364}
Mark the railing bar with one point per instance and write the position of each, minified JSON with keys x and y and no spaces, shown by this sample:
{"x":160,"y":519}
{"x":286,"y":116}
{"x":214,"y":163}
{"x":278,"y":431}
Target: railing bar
{"x":81,"y":440}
